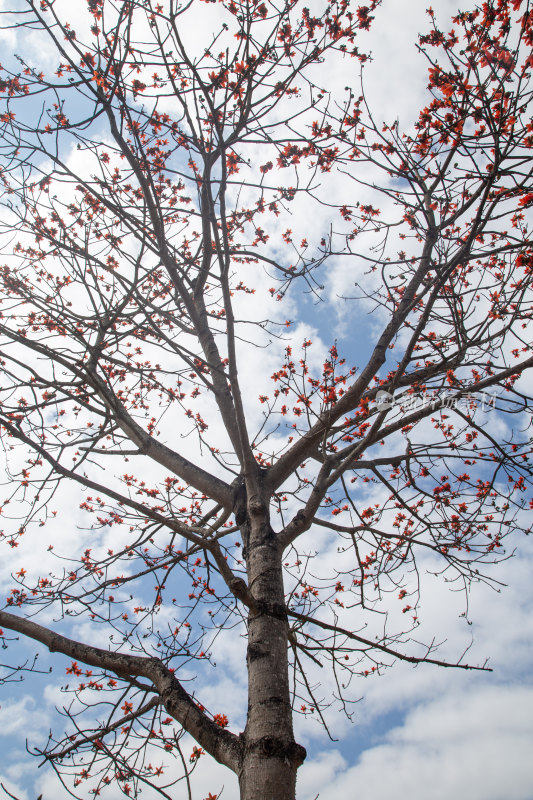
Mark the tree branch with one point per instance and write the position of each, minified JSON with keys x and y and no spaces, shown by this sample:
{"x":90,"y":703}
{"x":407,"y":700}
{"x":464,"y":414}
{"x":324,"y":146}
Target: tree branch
{"x":223,"y":745}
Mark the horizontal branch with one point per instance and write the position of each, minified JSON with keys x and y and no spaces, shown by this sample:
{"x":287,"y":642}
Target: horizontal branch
{"x":382,"y":647}
{"x":223,"y":745}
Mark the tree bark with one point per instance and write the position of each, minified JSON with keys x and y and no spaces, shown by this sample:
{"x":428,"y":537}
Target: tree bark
{"x":271,"y":756}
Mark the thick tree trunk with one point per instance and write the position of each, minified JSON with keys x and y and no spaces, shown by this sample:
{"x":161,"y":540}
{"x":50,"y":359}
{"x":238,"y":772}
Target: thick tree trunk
{"x":271,"y":757}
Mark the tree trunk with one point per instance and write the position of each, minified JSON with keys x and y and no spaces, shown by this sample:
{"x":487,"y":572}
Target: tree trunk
{"x":271,"y":757}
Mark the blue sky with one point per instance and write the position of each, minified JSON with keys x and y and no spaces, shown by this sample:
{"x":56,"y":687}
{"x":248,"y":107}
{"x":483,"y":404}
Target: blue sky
{"x":423,"y":733}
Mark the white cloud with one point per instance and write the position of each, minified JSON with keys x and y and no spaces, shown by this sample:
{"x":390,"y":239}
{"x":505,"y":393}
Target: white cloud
{"x":463,"y":735}
{"x":474,"y":745}
{"x":20,"y":717}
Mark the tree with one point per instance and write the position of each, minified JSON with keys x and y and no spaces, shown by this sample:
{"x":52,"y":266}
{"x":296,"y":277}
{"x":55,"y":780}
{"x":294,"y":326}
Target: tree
{"x":148,"y":186}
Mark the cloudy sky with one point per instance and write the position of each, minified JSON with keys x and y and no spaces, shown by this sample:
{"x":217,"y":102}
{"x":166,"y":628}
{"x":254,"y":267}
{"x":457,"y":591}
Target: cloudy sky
{"x":424,"y":733}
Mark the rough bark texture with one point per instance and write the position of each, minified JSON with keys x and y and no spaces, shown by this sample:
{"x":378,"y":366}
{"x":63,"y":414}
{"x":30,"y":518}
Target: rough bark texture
{"x":224,"y":746}
{"x":271,"y":757}
{"x":127,"y":305}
